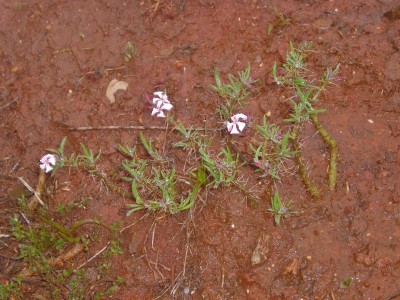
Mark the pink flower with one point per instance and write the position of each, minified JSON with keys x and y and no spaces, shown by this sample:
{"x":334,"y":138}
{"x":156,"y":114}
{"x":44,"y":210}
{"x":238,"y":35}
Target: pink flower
{"x":47,"y":162}
{"x":265,"y":166}
{"x":236,"y":126}
{"x":160,"y":103}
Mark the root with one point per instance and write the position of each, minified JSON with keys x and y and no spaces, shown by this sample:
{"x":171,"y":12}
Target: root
{"x":332,"y":172}
{"x":37,"y":194}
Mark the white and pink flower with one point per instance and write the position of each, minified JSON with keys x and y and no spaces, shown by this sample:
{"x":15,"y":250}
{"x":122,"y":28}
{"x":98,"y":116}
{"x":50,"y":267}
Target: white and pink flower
{"x":237,"y":125}
{"x":160,"y":104}
{"x":47,"y":162}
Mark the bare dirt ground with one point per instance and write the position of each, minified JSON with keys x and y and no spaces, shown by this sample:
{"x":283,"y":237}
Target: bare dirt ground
{"x":56,"y":61}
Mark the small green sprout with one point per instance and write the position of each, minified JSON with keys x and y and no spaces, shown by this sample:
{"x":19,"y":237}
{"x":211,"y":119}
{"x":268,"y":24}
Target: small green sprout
{"x":130,"y":51}
{"x":192,"y":140}
{"x":148,"y":145}
{"x":345,"y":282}
{"x":280,"y":209}
{"x":88,"y":159}
{"x":128,"y":151}
{"x":280,"y":21}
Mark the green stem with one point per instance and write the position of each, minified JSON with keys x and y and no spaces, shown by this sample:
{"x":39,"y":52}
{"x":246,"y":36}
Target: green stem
{"x":305,"y":177}
{"x":68,"y":234}
{"x":332,"y":173}
{"x":247,"y":193}
{"x":64,"y":232}
{"x":201,"y":180}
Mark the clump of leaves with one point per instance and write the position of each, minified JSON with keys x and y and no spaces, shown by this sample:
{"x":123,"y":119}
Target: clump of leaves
{"x":272,"y":151}
{"x":280,"y":21}
{"x":87,"y":160}
{"x":154,"y":185}
{"x":192,"y":140}
{"x":280,"y":209}
{"x":234,"y":93}
{"x":115,"y":285}
{"x":222,"y":167}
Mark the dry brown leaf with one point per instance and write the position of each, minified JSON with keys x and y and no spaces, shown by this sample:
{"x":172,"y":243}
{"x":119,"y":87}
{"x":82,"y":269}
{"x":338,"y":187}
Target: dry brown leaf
{"x":260,"y":253}
{"x":113,"y":87}
{"x":293,"y":267}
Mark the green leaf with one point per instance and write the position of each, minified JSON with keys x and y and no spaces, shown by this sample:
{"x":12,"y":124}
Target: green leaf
{"x":345,"y":283}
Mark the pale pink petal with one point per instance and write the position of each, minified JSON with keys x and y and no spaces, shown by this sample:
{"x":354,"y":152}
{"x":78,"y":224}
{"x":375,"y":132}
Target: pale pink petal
{"x":156,"y":100}
{"x":234,"y":119}
{"x":241,"y":126}
{"x":163,"y":96}
{"x":167,"y":106}
{"x":234,"y":130}
{"x":229,"y":126}
{"x":155,"y":111}
{"x":161,"y":114}
{"x":241,"y":116}
{"x":52,"y":160}
{"x":48,"y":168}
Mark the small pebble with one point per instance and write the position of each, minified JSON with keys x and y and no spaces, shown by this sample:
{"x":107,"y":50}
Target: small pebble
{"x":370,"y":121}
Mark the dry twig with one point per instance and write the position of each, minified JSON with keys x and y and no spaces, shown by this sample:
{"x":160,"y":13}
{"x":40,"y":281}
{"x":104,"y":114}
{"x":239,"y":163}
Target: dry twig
{"x":133,"y":127}
{"x":9,"y":103}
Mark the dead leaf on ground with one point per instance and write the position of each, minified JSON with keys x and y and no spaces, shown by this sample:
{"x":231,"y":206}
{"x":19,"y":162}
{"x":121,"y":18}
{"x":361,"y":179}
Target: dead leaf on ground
{"x":114,"y":86}
{"x":293,"y":267}
{"x":260,"y":253}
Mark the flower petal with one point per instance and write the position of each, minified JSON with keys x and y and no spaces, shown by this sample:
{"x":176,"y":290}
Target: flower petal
{"x":48,"y":168}
{"x":156,"y":101}
{"x":52,"y":160}
{"x":229,"y":126}
{"x":234,"y":130}
{"x":155,"y":111}
{"x":241,"y":126}
{"x":241,"y":116}
{"x":161,"y":114}
{"x":163,"y":96}
{"x":167,"y":106}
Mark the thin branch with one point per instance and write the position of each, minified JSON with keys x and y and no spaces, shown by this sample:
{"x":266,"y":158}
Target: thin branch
{"x":9,"y":103}
{"x":93,"y":72}
{"x":37,"y":195}
{"x":93,"y":257}
{"x":88,"y":128}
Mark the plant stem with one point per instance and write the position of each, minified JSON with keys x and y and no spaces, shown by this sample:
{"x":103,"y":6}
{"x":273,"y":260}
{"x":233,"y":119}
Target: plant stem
{"x":332,"y":173}
{"x":247,"y":193}
{"x":305,"y":177}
